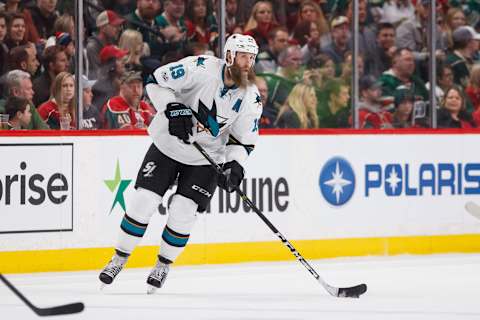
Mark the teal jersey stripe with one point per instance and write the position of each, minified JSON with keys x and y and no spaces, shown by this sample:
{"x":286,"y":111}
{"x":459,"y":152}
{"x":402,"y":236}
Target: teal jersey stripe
{"x":237,"y":105}
{"x":174,"y":240}
{"x":132,"y":229}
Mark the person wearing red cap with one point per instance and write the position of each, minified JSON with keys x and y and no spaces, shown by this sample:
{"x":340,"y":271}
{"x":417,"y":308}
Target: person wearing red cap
{"x":111,"y":52}
{"x":111,"y":70}
{"x":109,"y":25}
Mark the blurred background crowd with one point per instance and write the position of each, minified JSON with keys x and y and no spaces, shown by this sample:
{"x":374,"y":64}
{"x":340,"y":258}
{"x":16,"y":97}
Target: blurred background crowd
{"x":304,"y":67}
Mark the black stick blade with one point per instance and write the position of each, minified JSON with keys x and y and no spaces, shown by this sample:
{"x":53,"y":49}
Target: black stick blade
{"x":65,"y":309}
{"x":352,"y":292}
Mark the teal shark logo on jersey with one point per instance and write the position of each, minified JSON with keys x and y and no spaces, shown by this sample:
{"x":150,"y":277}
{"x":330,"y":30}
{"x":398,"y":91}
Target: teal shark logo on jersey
{"x":208,"y":118}
{"x":201,"y":61}
{"x":258,"y":99}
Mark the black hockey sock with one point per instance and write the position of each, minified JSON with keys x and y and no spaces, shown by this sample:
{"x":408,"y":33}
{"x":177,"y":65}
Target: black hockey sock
{"x":164,"y":260}
{"x":121,"y":253}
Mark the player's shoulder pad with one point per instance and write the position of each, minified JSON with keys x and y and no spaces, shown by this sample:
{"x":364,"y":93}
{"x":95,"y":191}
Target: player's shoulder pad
{"x":193,"y":66}
{"x":172,"y":71}
{"x":198,"y":62}
{"x":204,"y":63}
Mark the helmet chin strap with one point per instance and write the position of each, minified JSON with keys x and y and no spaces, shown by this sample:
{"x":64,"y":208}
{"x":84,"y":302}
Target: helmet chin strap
{"x":228,"y":74}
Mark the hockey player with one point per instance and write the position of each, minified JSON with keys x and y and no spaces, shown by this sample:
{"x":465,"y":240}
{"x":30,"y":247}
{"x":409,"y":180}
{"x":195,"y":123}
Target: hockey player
{"x":199,"y":98}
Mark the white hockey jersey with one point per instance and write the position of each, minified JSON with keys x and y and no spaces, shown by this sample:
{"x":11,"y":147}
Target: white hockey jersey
{"x":226,"y":119}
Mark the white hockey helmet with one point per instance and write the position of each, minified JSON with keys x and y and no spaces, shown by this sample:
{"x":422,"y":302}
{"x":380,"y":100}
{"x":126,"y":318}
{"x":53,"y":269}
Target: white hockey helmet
{"x":239,"y":43}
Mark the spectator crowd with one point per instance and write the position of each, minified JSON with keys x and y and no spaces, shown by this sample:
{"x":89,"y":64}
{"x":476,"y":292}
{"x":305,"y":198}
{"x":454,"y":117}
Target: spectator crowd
{"x":304,"y":66}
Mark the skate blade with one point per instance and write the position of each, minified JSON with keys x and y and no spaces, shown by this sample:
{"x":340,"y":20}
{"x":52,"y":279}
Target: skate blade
{"x":151,"y":289}
{"x":103,"y":286}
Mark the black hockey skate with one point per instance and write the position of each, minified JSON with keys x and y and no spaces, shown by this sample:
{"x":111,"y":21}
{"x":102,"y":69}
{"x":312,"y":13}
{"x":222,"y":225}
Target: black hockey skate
{"x":112,"y":269}
{"x":157,"y":276}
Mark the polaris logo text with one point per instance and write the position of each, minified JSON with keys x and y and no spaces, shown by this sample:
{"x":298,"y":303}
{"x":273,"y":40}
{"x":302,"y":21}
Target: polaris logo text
{"x":434,"y":179}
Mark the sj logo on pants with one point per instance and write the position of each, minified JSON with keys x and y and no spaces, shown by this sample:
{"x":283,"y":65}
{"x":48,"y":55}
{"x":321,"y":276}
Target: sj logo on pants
{"x":148,"y":169}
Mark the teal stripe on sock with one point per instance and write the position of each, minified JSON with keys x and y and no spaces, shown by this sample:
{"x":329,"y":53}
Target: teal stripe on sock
{"x":173,"y":239}
{"x":132,"y":229}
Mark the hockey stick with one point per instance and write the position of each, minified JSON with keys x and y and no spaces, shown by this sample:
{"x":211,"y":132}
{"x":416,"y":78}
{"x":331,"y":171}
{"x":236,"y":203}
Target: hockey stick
{"x":53,"y":311}
{"x":349,"y":292}
{"x":473,"y":209}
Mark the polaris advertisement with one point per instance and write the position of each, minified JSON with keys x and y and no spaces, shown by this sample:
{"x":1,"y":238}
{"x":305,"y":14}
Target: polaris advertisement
{"x":337,"y":180}
{"x":311,"y":187}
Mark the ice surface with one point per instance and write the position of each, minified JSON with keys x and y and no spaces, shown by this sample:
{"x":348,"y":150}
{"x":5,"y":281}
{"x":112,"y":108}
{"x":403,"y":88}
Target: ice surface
{"x":436,"y":287}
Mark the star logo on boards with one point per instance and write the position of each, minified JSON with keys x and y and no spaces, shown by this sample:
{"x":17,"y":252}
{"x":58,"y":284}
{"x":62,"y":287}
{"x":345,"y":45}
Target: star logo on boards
{"x":393,"y":179}
{"x":117,"y":183}
{"x":337,"y":181}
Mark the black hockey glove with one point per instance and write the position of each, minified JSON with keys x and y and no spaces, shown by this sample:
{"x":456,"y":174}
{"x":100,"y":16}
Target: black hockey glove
{"x":179,"y":120}
{"x":231,"y":177}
